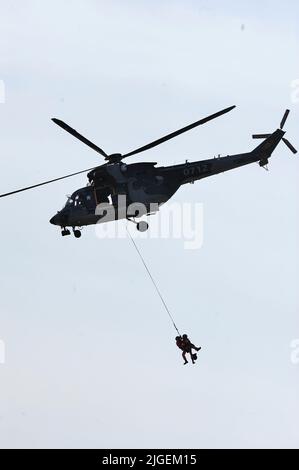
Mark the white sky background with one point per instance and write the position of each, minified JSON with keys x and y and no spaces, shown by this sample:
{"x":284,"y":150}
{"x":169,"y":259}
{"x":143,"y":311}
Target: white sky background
{"x":90,"y":353}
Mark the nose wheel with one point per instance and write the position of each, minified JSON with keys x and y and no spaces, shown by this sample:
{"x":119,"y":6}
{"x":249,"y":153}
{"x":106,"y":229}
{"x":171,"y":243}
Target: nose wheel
{"x":77,"y":233}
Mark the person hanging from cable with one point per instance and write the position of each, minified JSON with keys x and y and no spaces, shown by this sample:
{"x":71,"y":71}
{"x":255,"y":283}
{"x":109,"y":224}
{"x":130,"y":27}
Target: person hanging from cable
{"x":184,"y":343}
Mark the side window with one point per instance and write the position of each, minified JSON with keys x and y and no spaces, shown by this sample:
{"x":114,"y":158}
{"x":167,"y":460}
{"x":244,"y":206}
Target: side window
{"x":136,"y":184}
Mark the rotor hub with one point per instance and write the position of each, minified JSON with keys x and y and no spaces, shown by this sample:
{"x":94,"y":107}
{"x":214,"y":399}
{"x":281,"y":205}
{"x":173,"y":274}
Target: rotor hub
{"x":114,"y":157}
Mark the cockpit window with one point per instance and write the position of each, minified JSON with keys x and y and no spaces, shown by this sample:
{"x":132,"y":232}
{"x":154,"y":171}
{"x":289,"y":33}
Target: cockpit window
{"x":69,"y":201}
{"x":83,"y":199}
{"x":78,"y":200}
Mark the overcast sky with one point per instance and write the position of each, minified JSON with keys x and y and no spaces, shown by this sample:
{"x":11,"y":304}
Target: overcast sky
{"x":90,"y":353}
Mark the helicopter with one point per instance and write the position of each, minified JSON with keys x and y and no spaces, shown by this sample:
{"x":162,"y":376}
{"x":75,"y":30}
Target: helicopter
{"x":117,"y":190}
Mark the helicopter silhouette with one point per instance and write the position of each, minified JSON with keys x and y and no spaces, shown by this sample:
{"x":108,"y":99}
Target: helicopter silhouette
{"x":117,"y":190}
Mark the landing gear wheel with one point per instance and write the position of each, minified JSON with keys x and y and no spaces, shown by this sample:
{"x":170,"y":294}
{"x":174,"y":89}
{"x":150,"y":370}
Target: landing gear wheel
{"x":65,"y":232}
{"x":142,"y":226}
{"x":77,"y":233}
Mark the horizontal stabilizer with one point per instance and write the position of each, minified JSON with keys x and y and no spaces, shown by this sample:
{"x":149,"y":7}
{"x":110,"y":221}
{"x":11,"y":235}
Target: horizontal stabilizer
{"x":260,"y":136}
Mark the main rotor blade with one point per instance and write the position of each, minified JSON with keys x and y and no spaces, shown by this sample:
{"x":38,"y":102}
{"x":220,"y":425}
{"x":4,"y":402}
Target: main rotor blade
{"x":288,"y":144}
{"x":76,"y":134}
{"x":45,"y":182}
{"x":284,"y":118}
{"x":180,"y":131}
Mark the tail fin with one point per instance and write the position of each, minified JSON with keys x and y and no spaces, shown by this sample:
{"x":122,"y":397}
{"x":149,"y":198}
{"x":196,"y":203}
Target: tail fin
{"x":269,"y":144}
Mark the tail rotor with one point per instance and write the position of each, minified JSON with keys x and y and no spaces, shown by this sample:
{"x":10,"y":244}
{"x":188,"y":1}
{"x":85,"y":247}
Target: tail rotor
{"x":265,"y":136}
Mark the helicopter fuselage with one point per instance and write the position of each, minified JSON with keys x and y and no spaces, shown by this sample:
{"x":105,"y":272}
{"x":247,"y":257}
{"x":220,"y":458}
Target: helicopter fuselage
{"x":118,"y":190}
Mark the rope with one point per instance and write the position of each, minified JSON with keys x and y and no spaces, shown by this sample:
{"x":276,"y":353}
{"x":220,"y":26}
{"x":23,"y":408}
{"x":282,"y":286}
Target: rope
{"x":153,"y":281}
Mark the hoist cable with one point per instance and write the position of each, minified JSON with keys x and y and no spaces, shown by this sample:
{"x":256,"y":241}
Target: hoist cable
{"x":153,"y":281}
